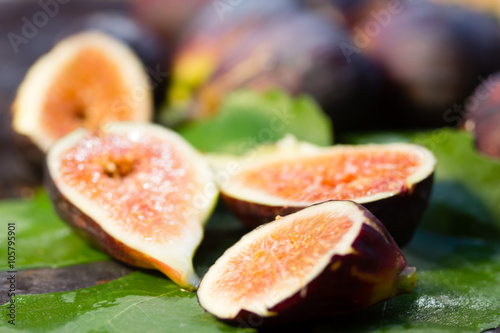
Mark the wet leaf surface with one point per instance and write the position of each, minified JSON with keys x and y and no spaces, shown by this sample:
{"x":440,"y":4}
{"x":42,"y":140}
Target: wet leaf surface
{"x":42,"y":239}
{"x":458,"y":285}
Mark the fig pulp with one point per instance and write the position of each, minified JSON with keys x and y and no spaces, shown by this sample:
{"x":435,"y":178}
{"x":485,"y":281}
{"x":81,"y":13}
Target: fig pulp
{"x":87,"y":79}
{"x":392,"y":180}
{"x":138,"y":191}
{"x":329,"y":259}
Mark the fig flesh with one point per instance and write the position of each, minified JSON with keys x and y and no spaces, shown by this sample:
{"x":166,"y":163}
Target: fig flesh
{"x":332,"y":258}
{"x":392,"y":180}
{"x":138,"y":191}
{"x":108,"y":83}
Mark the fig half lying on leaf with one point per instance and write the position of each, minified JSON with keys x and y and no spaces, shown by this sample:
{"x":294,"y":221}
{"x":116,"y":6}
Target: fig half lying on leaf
{"x":332,"y":258}
{"x":392,"y":180}
{"x":138,"y":191}
{"x":86,"y":80}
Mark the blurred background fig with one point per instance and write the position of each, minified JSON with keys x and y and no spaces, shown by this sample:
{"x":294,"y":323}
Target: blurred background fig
{"x":333,"y":258}
{"x":482,"y":116}
{"x":348,"y":12}
{"x":490,"y":7}
{"x":168,"y":18}
{"x":264,"y":52}
{"x":432,"y":56}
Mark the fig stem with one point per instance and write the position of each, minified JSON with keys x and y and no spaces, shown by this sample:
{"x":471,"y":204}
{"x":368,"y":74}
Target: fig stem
{"x":406,"y":280}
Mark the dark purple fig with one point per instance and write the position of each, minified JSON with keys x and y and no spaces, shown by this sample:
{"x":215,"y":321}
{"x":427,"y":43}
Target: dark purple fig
{"x":432,"y":56}
{"x":489,"y":7}
{"x":168,"y":18}
{"x":482,"y":116}
{"x":349,"y":12}
{"x":334,"y":258}
{"x":266,"y":51}
{"x":392,"y":180}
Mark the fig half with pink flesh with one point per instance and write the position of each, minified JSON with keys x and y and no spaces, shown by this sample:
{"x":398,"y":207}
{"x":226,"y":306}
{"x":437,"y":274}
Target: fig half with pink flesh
{"x":392,"y":180}
{"x":139,"y":191}
{"x":87,"y":79}
{"x":329,"y":259}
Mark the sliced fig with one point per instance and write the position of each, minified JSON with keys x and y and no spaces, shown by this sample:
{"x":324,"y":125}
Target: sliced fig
{"x":392,"y":180}
{"x":332,"y":258}
{"x":138,"y":191}
{"x":87,"y":79}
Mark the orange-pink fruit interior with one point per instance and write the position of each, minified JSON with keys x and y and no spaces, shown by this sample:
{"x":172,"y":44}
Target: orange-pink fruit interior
{"x":281,"y":258}
{"x":340,"y":176}
{"x":146,"y":186}
{"x":87,"y":92}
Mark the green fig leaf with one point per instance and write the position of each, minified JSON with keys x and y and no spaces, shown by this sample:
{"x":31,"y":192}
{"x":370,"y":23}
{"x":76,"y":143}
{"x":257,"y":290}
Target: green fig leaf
{"x":137,"y":302}
{"x":41,"y":238}
{"x":248,"y":118}
{"x":457,"y":291}
{"x":466,"y":195}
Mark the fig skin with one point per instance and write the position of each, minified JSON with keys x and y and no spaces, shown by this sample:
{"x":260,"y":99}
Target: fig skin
{"x":376,"y":270}
{"x":400,"y":213}
{"x":86,"y":227}
{"x":450,"y":48}
{"x":252,"y":50}
{"x":482,"y":116}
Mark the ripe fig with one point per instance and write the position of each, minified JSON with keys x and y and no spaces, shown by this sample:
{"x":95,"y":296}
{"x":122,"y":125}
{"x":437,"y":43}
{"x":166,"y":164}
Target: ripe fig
{"x":168,"y":18}
{"x":392,"y":180}
{"x":256,"y":52}
{"x":139,"y":191}
{"x":432,"y":56}
{"x":22,"y":161}
{"x":108,"y":83}
{"x":489,"y":7}
{"x":332,"y":258}
{"x":147,"y":46}
{"x":349,"y":12}
{"x":482,"y":116}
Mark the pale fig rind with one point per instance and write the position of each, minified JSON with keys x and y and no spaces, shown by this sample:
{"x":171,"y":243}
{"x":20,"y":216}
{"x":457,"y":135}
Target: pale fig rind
{"x":171,"y":254}
{"x":373,"y":270}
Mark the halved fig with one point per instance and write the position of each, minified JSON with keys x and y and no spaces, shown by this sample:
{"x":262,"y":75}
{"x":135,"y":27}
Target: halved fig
{"x":392,"y":180}
{"x":138,"y":191}
{"x":332,"y":258}
{"x":87,"y":79}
